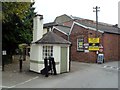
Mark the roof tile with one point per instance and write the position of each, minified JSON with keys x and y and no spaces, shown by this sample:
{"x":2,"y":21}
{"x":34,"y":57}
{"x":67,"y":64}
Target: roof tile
{"x":52,"y":38}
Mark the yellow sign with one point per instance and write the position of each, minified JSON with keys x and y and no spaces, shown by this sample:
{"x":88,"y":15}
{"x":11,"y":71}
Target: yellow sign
{"x":80,"y":43}
{"x":93,"y":44}
{"x":93,"y":40}
{"x":93,"y":48}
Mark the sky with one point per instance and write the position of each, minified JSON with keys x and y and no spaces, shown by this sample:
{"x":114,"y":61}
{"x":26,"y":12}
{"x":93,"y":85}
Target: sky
{"x":50,"y":9}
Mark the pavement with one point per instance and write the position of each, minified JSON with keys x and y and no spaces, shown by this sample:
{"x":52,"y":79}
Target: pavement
{"x":82,"y":75}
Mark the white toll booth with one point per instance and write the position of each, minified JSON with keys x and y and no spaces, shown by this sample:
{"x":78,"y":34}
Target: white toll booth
{"x":47,"y":45}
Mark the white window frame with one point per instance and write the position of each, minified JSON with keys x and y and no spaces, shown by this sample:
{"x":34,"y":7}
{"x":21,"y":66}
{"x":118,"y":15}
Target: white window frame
{"x":47,"y":51}
{"x":80,"y":48}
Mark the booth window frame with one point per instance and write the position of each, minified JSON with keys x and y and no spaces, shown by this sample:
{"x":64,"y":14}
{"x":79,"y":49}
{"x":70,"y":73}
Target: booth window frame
{"x":47,"y":51}
{"x":80,"y":44}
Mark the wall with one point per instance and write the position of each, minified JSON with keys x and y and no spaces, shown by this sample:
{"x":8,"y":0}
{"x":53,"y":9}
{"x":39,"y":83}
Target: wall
{"x":111,"y":48}
{"x":77,"y":32}
{"x":119,"y":48}
{"x":34,"y":52}
{"x":45,"y":31}
{"x":56,"y":55}
{"x":36,"y":61}
{"x":110,"y":42}
{"x":37,"y":28}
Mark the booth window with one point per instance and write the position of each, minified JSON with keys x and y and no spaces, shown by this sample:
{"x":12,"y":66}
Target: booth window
{"x":80,"y":44}
{"x":47,"y":51}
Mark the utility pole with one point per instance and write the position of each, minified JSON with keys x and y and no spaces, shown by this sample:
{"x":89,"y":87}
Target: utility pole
{"x":96,"y":9}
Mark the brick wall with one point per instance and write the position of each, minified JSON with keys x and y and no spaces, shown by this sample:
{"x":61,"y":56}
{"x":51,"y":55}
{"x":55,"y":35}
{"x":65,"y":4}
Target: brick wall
{"x":78,"y":31}
{"x":119,"y":47}
{"x":111,"y":46}
{"x":110,"y":42}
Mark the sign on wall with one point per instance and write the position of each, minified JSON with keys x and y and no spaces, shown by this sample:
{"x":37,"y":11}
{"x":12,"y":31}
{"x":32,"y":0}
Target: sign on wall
{"x":80,"y":44}
{"x":93,"y":44}
{"x":93,"y":40}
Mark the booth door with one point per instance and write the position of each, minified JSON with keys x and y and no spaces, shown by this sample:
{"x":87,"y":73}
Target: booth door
{"x":63,"y":64}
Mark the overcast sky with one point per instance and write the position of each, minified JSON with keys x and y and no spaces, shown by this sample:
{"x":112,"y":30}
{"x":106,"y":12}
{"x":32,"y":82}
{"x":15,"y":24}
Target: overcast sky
{"x":80,"y":8}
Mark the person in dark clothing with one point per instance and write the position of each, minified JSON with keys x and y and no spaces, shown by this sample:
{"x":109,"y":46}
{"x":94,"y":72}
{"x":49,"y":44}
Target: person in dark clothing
{"x":53,"y":65}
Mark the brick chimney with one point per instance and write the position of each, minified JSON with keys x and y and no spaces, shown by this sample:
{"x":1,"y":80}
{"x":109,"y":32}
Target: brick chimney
{"x":37,"y":27}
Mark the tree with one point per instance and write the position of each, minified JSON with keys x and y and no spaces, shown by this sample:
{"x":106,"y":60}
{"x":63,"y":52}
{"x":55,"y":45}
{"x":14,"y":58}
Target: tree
{"x":17,"y":20}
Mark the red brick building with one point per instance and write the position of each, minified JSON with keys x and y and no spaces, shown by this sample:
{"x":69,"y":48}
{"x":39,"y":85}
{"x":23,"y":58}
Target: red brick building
{"x":77,"y":29}
{"x":108,"y":39}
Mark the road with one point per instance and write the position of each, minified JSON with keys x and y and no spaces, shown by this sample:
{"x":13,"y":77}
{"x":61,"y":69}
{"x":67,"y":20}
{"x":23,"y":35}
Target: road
{"x":82,"y":75}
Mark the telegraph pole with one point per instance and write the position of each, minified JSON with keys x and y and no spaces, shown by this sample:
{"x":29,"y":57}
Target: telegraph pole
{"x":96,"y":9}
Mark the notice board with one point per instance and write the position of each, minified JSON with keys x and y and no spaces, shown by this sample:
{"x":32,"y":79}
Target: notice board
{"x":93,"y":44}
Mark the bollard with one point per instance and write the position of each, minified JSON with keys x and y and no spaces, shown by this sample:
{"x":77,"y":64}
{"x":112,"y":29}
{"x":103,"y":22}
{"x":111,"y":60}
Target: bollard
{"x":3,"y":64}
{"x":20,"y":64}
{"x":4,"y":53}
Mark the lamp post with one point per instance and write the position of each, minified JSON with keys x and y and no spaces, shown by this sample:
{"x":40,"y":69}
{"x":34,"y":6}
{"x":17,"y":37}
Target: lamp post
{"x":96,"y":9}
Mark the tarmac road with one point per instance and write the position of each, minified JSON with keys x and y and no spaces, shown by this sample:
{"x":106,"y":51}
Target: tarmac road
{"x":82,"y":75}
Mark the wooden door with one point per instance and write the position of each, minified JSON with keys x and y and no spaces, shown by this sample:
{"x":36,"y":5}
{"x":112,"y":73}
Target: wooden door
{"x":63,"y":64}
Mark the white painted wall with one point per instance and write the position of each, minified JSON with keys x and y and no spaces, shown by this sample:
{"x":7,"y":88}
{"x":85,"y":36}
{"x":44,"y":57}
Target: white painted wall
{"x":36,"y":49}
{"x":34,"y":52}
{"x":40,"y":52}
{"x":37,"y":28}
{"x":68,"y":49}
{"x":36,"y":67}
{"x":44,"y":31}
{"x":56,"y":55}
{"x":36,"y":55}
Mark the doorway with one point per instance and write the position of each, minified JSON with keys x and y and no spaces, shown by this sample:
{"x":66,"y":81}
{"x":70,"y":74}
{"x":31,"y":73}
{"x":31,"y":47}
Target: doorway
{"x":63,"y":64}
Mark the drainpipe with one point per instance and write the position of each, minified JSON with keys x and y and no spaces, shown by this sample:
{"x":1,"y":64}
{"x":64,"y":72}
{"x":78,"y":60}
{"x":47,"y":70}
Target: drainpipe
{"x":69,"y":52}
{"x":118,"y":28}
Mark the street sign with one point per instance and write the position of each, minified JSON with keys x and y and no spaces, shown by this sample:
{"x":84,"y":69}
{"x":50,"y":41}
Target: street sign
{"x":101,"y":48}
{"x":93,"y":44}
{"x":93,"y":48}
{"x":93,"y":40}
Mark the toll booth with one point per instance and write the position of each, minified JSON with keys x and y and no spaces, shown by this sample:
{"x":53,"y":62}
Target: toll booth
{"x":50,"y":45}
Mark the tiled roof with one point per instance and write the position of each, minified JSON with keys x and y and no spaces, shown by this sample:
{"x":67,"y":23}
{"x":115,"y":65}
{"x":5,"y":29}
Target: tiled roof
{"x":101,"y":26}
{"x":86,"y":22}
{"x":74,"y":17}
{"x":62,"y":18}
{"x":51,"y":24}
{"x":63,"y":28}
{"x":52,"y":38}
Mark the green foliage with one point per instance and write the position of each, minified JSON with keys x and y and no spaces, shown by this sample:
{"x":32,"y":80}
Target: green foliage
{"x":18,"y":8}
{"x":17,"y":22}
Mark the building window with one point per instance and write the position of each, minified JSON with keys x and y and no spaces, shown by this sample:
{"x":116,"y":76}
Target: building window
{"x":80,"y":44}
{"x":47,"y":51}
